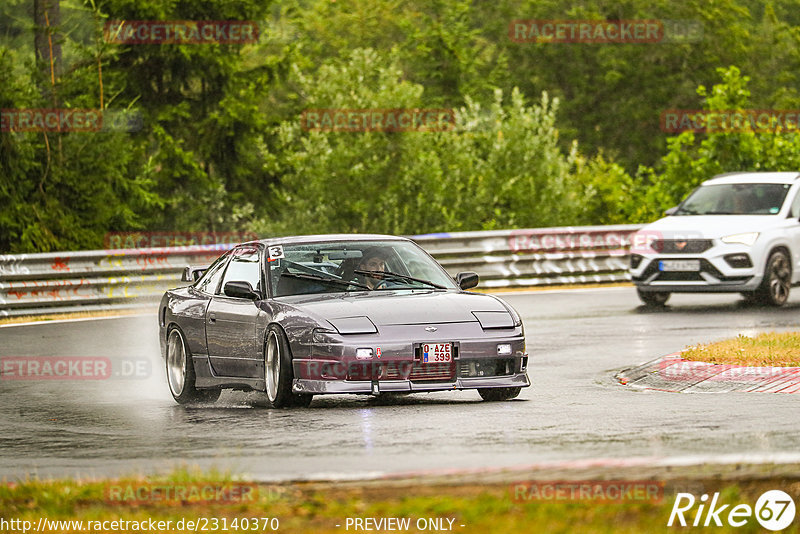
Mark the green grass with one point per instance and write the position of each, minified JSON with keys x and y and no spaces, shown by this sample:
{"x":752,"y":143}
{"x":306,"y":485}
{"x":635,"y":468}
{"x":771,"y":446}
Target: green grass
{"x":771,"y":349}
{"x":318,"y":507}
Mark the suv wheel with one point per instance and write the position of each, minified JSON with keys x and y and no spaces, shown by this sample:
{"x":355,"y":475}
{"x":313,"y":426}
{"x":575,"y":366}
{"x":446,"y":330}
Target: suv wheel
{"x":774,"y":289}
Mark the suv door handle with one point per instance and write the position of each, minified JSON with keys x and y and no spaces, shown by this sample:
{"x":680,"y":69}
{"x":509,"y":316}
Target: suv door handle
{"x":212,"y":318}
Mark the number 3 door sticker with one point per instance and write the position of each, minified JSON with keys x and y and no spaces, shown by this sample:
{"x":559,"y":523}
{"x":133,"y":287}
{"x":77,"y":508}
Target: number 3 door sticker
{"x":275,"y":252}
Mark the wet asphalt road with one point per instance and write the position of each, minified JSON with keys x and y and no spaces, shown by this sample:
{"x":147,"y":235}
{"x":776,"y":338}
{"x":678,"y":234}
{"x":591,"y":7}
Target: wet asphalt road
{"x":574,"y":410}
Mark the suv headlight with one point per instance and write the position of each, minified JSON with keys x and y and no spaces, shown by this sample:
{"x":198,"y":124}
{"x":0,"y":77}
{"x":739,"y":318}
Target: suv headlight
{"x":745,"y":239}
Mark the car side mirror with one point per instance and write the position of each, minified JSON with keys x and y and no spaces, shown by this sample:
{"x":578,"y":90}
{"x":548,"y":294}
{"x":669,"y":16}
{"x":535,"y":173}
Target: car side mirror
{"x":192,"y":274}
{"x":241,"y":290}
{"x":671,"y":211}
{"x":467,"y":279}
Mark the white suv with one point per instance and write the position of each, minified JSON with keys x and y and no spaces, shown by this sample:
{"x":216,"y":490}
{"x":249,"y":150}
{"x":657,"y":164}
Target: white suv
{"x":737,"y":232}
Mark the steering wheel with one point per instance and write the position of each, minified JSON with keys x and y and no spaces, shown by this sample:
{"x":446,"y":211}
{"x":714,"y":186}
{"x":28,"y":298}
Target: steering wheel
{"x":380,"y":285}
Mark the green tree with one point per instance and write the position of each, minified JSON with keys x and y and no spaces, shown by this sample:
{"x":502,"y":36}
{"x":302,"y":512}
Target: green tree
{"x":693,"y":158}
{"x":61,"y":190}
{"x":499,"y":167}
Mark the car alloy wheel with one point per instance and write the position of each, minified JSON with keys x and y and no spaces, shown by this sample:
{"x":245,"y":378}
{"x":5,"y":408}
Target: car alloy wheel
{"x":278,"y":374}
{"x":180,"y":373}
{"x":779,"y":274}
{"x":272,"y":365}
{"x":176,"y":363}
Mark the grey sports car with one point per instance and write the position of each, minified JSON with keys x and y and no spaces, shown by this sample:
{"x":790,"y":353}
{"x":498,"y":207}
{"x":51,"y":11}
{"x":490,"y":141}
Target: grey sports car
{"x":301,"y":316}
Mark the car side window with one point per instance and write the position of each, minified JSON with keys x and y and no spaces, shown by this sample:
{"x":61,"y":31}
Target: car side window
{"x":209,"y":282}
{"x":795,"y":211}
{"x":245,"y":266}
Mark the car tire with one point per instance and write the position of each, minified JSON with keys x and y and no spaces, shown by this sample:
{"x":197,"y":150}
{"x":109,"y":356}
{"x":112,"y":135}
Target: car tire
{"x":777,"y":282}
{"x":180,"y":372}
{"x":499,"y":394}
{"x":653,"y":298}
{"x":278,"y":374}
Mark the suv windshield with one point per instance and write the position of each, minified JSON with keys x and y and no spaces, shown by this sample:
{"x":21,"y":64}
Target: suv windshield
{"x":338,"y":266}
{"x":735,"y":199}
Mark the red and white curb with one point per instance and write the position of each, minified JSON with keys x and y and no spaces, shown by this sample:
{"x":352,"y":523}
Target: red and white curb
{"x":675,"y":374}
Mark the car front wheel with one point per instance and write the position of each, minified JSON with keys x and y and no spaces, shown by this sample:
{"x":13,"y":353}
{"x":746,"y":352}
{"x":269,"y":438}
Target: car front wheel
{"x":774,"y":289}
{"x":180,"y":373}
{"x":278,"y":371}
{"x":499,"y":394}
{"x":652,"y":298}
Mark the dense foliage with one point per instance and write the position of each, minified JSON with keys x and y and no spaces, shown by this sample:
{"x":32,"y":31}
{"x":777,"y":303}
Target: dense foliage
{"x":544,"y":133}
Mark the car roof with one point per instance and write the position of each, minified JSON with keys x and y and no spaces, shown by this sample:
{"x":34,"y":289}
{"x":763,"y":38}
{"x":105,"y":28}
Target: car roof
{"x":754,"y":178}
{"x":327,"y":237}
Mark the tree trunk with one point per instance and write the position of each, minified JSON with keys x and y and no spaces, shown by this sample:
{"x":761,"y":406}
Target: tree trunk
{"x":47,"y":41}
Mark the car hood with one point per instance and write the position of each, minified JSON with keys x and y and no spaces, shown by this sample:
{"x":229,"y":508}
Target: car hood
{"x":709,"y":226}
{"x":386,"y":308}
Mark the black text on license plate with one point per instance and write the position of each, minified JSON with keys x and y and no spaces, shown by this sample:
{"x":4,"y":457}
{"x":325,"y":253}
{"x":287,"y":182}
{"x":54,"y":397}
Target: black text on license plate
{"x":437,"y":352}
{"x":679,"y":265}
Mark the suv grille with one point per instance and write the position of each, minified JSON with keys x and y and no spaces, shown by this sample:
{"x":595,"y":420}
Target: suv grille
{"x":687,"y":276}
{"x":681,"y":246}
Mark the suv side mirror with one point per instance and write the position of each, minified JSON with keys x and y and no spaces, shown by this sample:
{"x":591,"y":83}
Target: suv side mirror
{"x":241,"y":290}
{"x":192,"y":274}
{"x":467,"y":279}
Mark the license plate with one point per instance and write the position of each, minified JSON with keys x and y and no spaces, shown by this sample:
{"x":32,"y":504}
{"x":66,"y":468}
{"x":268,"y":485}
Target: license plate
{"x":437,"y":352}
{"x":679,"y":265}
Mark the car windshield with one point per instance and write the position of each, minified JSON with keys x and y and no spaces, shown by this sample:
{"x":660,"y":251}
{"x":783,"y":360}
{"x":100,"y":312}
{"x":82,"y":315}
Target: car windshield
{"x":735,"y":199}
{"x":337,"y":266}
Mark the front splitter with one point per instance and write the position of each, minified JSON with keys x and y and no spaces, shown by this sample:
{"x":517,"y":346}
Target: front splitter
{"x":300,"y":385}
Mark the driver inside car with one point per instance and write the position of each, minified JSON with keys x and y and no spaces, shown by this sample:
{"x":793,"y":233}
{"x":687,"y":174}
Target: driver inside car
{"x":373,"y":260}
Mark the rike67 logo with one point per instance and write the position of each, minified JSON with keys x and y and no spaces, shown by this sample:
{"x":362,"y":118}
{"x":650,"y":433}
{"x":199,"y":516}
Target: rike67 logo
{"x":774,"y":510}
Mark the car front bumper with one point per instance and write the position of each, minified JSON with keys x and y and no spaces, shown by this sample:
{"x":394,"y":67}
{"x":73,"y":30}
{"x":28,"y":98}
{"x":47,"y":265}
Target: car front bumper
{"x":715,"y":275}
{"x":384,"y":386}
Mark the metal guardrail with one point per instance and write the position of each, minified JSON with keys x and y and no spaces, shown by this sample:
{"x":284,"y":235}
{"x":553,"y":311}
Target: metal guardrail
{"x":125,"y":278}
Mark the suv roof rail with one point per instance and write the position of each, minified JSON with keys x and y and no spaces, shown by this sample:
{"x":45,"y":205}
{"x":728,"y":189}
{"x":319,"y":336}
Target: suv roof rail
{"x":734,"y":173}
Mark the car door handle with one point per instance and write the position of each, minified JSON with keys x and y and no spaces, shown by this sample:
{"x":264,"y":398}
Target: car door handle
{"x":212,"y":318}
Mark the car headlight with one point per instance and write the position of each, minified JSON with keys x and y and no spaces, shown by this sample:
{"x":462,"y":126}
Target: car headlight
{"x":745,"y":239}
{"x":324,"y":336}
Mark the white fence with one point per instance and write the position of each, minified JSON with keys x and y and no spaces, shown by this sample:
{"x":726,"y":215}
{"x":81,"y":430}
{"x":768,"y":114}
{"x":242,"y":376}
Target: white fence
{"x":124,"y":278}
